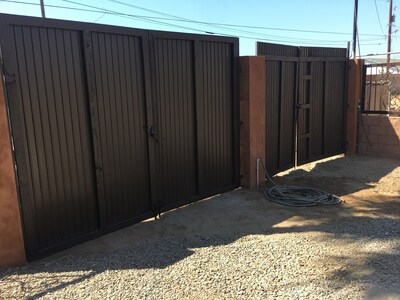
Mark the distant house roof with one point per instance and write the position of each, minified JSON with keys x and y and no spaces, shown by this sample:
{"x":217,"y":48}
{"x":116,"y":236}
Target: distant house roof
{"x":375,"y":60}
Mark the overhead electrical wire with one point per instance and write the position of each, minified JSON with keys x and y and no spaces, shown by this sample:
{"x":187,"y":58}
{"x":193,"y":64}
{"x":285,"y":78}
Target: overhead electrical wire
{"x":257,"y":36}
{"x":309,"y":41}
{"x":379,"y":19}
{"x":130,"y":16}
{"x":177,"y":18}
{"x":213,"y":25}
{"x":181,"y":19}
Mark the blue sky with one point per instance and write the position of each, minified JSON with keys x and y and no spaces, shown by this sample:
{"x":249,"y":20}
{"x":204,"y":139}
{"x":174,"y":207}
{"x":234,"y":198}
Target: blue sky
{"x":303,"y":15}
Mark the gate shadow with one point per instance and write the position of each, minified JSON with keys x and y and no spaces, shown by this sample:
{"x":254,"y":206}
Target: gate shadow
{"x":221,"y":220}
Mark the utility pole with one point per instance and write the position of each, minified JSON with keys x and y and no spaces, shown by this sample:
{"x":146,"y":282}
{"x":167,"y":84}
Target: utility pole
{"x":42,"y":8}
{"x":353,"y":52}
{"x":391,"y":17}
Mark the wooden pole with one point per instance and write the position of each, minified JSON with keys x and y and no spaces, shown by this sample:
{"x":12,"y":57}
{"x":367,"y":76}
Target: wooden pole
{"x":353,"y":52}
{"x":42,"y":8}
{"x":389,"y":46}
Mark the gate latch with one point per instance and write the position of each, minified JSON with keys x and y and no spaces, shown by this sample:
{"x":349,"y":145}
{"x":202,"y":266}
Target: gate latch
{"x":153,"y":133}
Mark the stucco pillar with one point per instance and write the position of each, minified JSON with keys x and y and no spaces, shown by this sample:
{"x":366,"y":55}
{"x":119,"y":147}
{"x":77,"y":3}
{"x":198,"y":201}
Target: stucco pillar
{"x":12,"y":251}
{"x":252,"y":117}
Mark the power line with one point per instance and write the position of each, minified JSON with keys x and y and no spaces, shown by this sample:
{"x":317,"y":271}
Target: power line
{"x":99,"y":10}
{"x":169,"y":24}
{"x":95,"y":9}
{"x":125,"y":15}
{"x":379,"y":19}
{"x":181,"y":19}
{"x":292,"y":40}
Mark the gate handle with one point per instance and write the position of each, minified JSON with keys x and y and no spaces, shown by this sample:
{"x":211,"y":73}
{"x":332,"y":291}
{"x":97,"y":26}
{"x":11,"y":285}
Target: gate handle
{"x":153,"y":133}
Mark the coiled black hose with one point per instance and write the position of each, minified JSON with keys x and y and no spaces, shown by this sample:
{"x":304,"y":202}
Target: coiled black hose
{"x":298,"y":196}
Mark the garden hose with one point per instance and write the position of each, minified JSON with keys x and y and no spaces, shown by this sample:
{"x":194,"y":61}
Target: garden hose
{"x":298,"y":196}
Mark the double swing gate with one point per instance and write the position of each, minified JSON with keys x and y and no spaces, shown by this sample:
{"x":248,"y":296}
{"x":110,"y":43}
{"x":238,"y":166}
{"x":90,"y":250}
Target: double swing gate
{"x":306,"y":90}
{"x":112,"y":125}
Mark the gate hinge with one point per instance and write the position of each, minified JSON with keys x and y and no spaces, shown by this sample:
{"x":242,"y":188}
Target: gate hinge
{"x":8,"y":77}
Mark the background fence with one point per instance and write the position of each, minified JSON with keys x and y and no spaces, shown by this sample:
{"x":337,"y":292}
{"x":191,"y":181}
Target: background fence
{"x":306,"y":90}
{"x":381,"y":93}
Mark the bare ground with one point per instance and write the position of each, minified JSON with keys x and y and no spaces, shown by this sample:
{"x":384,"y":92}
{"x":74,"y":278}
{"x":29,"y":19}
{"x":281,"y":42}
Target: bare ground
{"x":239,"y":246}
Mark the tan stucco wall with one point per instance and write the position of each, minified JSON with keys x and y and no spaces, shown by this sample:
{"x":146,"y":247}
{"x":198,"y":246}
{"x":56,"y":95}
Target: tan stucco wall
{"x":12,"y":252}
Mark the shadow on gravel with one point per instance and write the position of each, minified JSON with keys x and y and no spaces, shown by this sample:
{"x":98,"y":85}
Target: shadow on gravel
{"x":343,"y":175}
{"x":223,"y":219}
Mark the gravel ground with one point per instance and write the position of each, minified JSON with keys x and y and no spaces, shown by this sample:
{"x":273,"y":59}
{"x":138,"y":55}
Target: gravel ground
{"x":240,"y":246}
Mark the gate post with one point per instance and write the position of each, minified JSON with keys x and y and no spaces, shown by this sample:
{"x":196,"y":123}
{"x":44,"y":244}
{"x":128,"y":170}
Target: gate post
{"x":355,"y":82}
{"x":252,"y":118}
{"x":12,"y":250}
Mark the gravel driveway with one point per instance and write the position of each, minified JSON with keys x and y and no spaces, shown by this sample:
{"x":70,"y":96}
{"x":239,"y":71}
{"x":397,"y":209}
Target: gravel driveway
{"x":240,"y":246}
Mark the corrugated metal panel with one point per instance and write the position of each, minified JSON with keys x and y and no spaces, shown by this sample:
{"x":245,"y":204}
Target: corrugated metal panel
{"x":287,"y":105}
{"x":304,"y":129}
{"x":334,"y":108}
{"x":327,"y":97}
{"x":280,"y":101}
{"x":323,"y":52}
{"x":276,"y":49}
{"x":85,"y":97}
{"x":321,"y":97}
{"x":273,"y":86}
{"x":317,"y":108}
{"x":120,"y":96}
{"x":215,"y":115}
{"x":174,"y":75}
{"x":327,"y":83}
{"x":58,"y":148}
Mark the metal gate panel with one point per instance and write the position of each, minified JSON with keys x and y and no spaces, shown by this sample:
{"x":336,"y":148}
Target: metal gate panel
{"x":287,"y":114}
{"x":317,"y":107}
{"x":52,"y":142}
{"x":215,"y":108}
{"x":280,"y":99}
{"x":304,"y":105}
{"x":319,"y":82}
{"x":335,"y":97}
{"x":323,"y":77}
{"x":175,"y":98}
{"x":112,"y":124}
{"x":121,"y":109}
{"x":277,"y":50}
{"x":281,"y":65}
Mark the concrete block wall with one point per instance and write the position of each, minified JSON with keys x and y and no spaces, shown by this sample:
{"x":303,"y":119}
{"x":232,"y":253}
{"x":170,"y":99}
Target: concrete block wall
{"x":379,"y":135}
{"x":368,"y":134}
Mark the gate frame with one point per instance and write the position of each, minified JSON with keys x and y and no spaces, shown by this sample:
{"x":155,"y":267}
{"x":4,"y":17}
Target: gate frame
{"x":24,"y":184}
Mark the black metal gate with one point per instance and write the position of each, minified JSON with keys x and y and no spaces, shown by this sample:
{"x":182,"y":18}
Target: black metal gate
{"x":381,"y":89}
{"x":305,"y":88}
{"x":112,"y":124}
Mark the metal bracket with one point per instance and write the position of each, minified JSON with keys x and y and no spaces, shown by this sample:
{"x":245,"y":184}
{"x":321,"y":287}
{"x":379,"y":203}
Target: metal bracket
{"x":8,"y":77}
